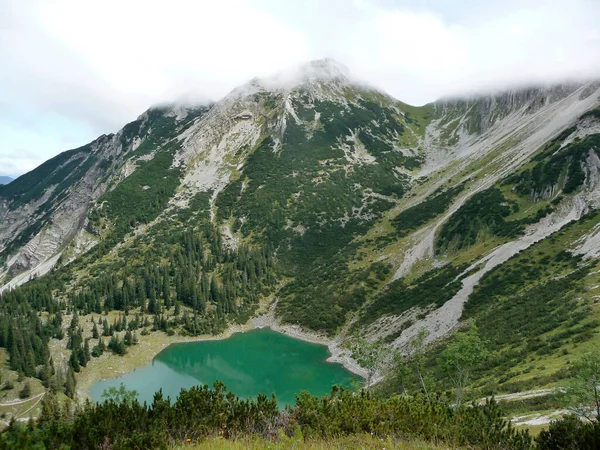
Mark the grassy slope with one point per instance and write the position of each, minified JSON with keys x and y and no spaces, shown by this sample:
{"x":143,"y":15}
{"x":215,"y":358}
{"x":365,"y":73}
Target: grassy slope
{"x":492,"y":217}
{"x":358,"y":441}
{"x":11,"y":405}
{"x":544,"y":313}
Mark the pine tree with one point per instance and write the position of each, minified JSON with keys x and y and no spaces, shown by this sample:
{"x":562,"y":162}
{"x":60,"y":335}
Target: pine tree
{"x":74,"y":321}
{"x":50,"y":410}
{"x":45,"y":374}
{"x":152,"y":307}
{"x":86,"y":350}
{"x":74,"y":361}
{"x":128,"y":338}
{"x":70,"y":383}
{"x":26,"y":391}
{"x":105,"y":328}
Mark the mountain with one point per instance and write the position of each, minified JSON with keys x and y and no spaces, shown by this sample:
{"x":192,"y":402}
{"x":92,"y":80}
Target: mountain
{"x":5,"y":180}
{"x":357,"y":212}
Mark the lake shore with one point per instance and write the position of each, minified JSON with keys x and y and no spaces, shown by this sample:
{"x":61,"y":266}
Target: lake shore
{"x":339,"y":354}
{"x":112,"y":366}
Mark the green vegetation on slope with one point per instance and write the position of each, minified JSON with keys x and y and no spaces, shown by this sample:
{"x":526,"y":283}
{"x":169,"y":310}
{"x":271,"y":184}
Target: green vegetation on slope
{"x":557,"y":167}
{"x":536,"y":308}
{"x":534,"y":312}
{"x":157,"y":126}
{"x":137,"y":200}
{"x":485,"y":212}
{"x":142,"y":195}
{"x":434,"y":288}
{"x":200,"y":413}
{"x":412,"y":218}
{"x":310,"y":200}
{"x":31,"y":186}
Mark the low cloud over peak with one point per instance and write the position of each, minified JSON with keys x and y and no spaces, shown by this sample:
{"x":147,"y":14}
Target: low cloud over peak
{"x":78,"y":69}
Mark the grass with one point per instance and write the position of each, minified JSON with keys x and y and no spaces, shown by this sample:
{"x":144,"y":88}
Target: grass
{"x":363,"y":441}
{"x":534,"y":430}
{"x":10,"y":403}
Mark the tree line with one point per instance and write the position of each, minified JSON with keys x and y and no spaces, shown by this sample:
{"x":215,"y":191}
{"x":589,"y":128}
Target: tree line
{"x":121,"y":422}
{"x":189,"y":282}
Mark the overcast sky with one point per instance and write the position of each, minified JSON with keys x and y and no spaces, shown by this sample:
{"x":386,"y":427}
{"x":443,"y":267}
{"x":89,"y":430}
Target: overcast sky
{"x":72,"y":70}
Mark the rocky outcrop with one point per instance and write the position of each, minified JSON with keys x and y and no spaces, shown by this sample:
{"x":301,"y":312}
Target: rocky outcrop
{"x":479,"y":113}
{"x":31,"y":233}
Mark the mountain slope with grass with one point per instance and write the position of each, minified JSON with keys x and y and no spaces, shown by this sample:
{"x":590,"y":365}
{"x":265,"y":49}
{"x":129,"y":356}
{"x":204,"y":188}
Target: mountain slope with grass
{"x":346,"y":209}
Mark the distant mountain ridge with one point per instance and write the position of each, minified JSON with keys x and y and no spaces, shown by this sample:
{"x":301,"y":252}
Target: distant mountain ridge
{"x":5,"y":180}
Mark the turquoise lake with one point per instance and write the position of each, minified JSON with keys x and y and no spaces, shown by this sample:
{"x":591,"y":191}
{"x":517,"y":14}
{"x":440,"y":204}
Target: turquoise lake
{"x":258,"y":361}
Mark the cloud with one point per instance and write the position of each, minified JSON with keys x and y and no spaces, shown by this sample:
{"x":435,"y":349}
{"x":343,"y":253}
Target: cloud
{"x":107,"y":61}
{"x":18,"y":161}
{"x":421,"y":55}
{"x":100,"y":64}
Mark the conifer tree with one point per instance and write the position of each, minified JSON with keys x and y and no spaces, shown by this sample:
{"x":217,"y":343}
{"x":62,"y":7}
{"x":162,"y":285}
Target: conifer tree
{"x":70,"y":383}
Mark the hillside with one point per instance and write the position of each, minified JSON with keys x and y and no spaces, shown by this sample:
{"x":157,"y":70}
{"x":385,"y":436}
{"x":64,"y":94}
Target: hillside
{"x":355,"y":211}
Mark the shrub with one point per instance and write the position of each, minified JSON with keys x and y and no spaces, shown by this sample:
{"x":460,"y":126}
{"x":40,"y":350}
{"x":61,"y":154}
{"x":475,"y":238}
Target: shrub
{"x":570,"y":433}
{"x":26,"y":391}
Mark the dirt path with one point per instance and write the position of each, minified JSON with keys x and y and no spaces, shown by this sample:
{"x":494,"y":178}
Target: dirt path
{"x":539,"y":419}
{"x":39,"y":398}
{"x":19,"y":402}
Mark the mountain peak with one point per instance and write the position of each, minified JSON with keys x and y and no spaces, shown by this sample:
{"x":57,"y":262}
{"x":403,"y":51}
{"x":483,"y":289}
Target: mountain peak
{"x":316,"y":72}
{"x":324,"y":69}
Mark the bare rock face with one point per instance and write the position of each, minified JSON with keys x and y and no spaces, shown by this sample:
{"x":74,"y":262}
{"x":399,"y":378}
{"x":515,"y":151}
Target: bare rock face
{"x":32,"y":230}
{"x":479,"y":113}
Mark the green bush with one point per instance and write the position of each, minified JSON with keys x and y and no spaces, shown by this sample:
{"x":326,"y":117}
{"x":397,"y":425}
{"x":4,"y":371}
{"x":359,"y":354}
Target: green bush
{"x":570,"y":433}
{"x":484,"y":212}
{"x":123,"y":423}
{"x":415,"y":216}
{"x":26,"y":391}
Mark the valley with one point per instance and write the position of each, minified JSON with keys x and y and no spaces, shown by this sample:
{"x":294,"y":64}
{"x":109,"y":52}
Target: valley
{"x":326,"y":210}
